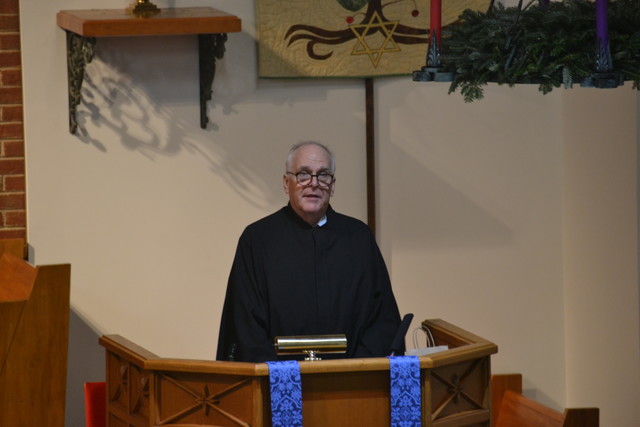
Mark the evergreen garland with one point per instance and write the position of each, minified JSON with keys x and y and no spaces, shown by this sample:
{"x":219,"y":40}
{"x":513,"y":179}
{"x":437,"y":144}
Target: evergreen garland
{"x":550,"y":45}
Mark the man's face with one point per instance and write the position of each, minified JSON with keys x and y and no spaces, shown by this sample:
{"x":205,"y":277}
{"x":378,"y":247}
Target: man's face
{"x":309,"y":201}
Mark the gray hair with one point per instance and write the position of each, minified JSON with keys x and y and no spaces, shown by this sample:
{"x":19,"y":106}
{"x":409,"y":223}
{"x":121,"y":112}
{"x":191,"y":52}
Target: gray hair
{"x":332,"y":157}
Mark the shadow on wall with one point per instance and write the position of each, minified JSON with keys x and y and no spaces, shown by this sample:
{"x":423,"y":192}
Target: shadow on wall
{"x":444,"y":203}
{"x":151,"y":108}
{"x":86,"y":364}
{"x":134,"y":98}
{"x":123,"y":93}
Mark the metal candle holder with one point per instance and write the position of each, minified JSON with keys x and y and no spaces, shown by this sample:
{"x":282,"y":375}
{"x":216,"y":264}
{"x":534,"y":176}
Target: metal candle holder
{"x":145,"y":8}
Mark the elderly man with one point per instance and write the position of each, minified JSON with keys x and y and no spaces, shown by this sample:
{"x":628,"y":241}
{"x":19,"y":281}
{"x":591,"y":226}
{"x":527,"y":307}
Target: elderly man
{"x":307,"y":270}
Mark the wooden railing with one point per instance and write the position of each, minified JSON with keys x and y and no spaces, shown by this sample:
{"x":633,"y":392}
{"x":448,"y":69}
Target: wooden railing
{"x":512,"y":409}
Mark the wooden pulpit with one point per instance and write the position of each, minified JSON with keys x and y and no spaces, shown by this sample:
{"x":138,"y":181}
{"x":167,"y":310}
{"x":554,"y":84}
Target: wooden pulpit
{"x":34,"y":335}
{"x":146,"y":390}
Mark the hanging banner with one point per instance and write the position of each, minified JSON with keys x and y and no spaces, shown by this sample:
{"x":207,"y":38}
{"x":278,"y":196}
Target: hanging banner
{"x":348,"y":38}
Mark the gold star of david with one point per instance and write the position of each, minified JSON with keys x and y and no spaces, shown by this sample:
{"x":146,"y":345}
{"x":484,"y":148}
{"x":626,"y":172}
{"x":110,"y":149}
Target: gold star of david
{"x":361,"y":31}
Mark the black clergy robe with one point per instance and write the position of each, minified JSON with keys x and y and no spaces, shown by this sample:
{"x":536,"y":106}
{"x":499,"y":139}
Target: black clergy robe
{"x":289,"y":278}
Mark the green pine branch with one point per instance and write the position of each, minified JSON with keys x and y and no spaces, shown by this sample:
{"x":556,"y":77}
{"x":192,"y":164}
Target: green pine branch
{"x":551,"y":46}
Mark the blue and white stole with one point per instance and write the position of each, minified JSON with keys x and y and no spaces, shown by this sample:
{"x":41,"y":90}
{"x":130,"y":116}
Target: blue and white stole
{"x":406,"y":399}
{"x":286,"y":394}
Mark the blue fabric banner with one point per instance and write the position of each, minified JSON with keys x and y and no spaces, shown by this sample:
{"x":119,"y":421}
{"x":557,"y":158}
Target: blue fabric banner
{"x":286,"y":394}
{"x":406,"y":400}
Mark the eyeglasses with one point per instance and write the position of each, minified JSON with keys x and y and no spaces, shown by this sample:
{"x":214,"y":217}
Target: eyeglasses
{"x":304,"y":178}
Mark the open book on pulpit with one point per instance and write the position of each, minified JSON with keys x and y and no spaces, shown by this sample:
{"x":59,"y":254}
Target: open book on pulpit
{"x":147,"y":390}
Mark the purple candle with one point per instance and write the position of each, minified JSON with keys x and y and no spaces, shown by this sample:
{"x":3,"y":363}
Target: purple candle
{"x":602,"y":25}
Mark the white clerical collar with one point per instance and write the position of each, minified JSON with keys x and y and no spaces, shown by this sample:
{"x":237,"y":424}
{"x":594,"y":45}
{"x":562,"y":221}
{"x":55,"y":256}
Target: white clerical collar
{"x":322,"y":221}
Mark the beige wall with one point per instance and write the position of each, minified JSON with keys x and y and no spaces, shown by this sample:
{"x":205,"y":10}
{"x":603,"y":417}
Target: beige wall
{"x":470,"y":214}
{"x":601,"y":252}
{"x":481,"y":206}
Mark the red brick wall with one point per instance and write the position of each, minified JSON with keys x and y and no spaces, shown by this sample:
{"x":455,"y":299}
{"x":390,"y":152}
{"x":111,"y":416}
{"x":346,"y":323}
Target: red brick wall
{"x":13,"y":218}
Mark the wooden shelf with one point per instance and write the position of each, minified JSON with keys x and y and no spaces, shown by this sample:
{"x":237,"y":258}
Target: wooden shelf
{"x":120,"y":22}
{"x":84,"y":26}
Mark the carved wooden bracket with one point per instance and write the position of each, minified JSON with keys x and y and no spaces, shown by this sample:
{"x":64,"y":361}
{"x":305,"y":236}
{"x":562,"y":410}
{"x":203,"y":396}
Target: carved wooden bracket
{"x":84,"y":26}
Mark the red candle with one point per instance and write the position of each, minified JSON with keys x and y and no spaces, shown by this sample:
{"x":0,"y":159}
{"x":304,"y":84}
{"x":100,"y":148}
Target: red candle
{"x":436,"y":20}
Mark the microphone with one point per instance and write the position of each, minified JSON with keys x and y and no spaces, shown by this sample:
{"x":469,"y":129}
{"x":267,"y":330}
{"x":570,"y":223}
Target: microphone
{"x":232,"y":353}
{"x":397,"y":345}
